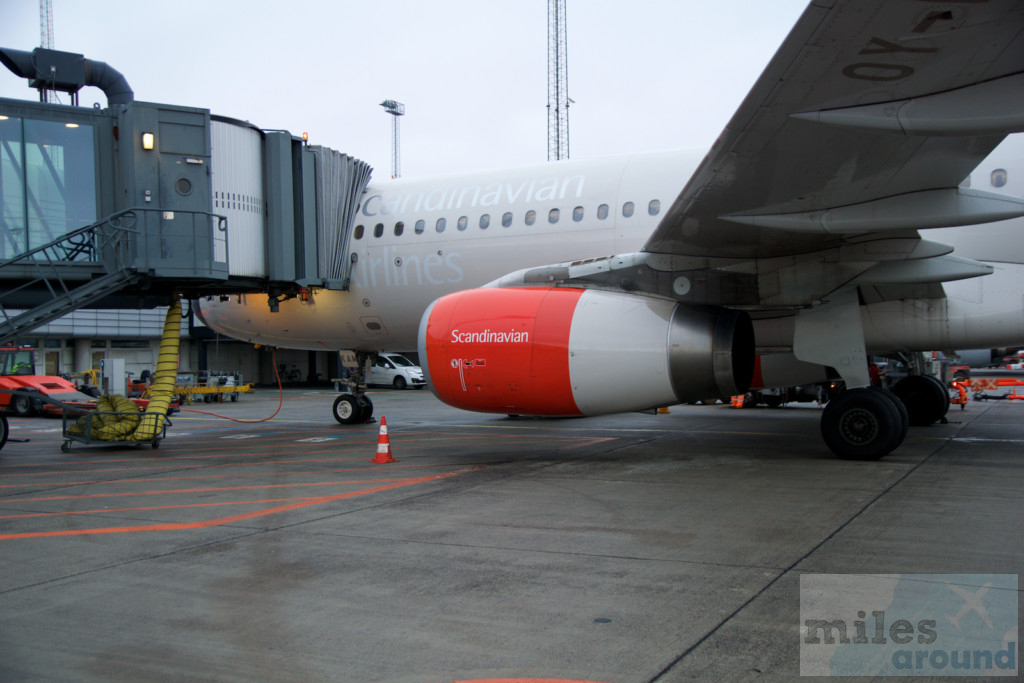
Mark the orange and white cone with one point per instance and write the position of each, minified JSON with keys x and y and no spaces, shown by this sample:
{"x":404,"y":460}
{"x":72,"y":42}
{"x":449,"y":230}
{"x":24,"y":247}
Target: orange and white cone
{"x":383,"y":444}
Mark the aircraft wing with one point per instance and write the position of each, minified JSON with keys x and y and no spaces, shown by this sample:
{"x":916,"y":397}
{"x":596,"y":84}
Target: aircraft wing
{"x":861,"y":129}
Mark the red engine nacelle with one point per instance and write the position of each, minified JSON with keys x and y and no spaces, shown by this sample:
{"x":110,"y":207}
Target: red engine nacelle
{"x":570,"y":352}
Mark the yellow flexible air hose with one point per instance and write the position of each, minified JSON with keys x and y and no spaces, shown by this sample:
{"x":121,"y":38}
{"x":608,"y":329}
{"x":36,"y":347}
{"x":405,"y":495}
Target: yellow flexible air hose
{"x":115,"y":419}
{"x":162,"y":390}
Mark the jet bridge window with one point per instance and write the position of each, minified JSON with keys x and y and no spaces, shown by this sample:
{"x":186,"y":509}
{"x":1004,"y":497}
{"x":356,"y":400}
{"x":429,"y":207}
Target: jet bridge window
{"x":506,"y":219}
{"x":654,"y":207}
{"x":47,"y":181}
{"x":531,"y":217}
{"x":627,"y":210}
{"x":602,"y":212}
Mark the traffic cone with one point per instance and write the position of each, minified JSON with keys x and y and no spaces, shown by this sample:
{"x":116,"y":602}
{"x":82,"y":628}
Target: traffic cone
{"x":383,"y":444}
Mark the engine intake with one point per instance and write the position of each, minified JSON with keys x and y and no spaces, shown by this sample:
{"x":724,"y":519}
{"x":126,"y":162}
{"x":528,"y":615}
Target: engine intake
{"x":571,"y":352}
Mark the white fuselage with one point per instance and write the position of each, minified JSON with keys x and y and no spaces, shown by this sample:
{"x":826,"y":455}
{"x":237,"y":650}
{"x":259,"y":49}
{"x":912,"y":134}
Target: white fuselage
{"x":395,"y":277}
{"x":417,"y":240}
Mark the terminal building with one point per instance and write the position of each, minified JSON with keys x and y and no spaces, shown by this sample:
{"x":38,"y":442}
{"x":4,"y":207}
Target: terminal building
{"x":107,"y":213}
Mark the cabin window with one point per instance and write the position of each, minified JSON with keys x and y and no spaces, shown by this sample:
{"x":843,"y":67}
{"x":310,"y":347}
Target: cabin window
{"x":999,"y":177}
{"x":531,"y":216}
{"x":421,"y":225}
{"x":378,"y":230}
{"x":602,"y":212}
{"x":440,"y":225}
{"x":485,"y":221}
{"x":627,"y":210}
{"x":654,"y":207}
{"x":553,"y":216}
{"x":577,"y":214}
{"x":399,"y":228}
{"x":463,"y":222}
{"x":506,"y":219}
{"x":359,"y":232}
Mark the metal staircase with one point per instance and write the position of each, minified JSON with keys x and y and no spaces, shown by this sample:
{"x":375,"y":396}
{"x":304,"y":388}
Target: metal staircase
{"x":82,"y":267}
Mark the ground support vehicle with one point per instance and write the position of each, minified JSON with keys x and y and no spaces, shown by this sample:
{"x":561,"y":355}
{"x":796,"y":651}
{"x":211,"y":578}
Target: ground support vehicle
{"x":984,"y":388}
{"x":213,"y":386}
{"x":23,"y":390}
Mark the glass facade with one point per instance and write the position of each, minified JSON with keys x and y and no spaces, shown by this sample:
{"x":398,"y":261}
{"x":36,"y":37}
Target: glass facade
{"x":47,"y":181}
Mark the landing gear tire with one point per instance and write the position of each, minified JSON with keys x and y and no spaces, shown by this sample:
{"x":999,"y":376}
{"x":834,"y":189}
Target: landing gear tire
{"x":347,"y":410}
{"x":365,"y":407}
{"x":862,"y":424}
{"x":900,"y":408}
{"x":926,"y":399}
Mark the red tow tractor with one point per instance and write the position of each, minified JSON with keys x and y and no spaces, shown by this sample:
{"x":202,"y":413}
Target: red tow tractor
{"x":22,"y":391}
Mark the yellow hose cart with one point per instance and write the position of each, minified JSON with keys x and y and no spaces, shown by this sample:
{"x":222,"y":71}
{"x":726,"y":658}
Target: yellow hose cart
{"x":116,"y":419}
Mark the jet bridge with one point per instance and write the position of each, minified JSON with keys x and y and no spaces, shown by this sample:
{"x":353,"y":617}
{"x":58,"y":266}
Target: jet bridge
{"x":123,"y":206}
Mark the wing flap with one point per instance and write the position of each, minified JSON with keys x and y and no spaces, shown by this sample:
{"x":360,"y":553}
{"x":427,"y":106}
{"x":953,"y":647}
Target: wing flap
{"x":915,"y":211}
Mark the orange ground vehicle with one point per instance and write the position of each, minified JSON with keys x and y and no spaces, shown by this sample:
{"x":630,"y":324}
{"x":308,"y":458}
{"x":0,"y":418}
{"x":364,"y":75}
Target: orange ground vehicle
{"x":23,"y":387}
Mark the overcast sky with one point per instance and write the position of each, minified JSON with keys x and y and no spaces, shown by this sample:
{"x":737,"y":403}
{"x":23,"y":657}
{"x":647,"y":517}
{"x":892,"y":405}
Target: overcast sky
{"x":645,"y":74}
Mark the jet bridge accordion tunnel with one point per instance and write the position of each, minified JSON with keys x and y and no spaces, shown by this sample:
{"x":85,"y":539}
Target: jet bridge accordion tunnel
{"x":159,"y":198}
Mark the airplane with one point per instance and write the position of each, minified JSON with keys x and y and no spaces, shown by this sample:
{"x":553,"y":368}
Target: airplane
{"x":835,"y":218}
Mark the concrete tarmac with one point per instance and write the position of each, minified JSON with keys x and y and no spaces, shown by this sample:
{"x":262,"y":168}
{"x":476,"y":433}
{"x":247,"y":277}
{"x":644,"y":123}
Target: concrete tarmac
{"x":620,"y":549}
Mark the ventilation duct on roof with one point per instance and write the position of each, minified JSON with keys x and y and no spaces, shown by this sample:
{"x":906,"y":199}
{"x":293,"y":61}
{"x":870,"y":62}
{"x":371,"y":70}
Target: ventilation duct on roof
{"x":67,"y":72}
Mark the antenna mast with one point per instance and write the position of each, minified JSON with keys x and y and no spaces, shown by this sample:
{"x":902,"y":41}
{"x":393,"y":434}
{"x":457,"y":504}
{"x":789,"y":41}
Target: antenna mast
{"x":396,"y":109}
{"x":558,"y":83}
{"x":46,"y":40}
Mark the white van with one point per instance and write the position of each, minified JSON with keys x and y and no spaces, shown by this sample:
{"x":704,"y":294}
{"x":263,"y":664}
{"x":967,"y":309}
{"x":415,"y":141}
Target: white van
{"x":392,"y":369}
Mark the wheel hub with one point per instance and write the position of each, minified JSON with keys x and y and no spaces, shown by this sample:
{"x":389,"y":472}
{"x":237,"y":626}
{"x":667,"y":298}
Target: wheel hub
{"x":858,"y":426}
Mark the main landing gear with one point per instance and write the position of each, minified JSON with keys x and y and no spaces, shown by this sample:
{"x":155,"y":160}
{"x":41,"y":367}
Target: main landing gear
{"x":355,"y":407}
{"x":864,"y":424}
{"x":926,"y":398}
{"x":870,"y":422}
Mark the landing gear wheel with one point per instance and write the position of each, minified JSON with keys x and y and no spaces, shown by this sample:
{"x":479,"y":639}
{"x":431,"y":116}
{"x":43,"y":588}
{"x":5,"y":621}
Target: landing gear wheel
{"x":900,"y":409}
{"x":347,"y":410}
{"x":862,"y":424}
{"x":400,"y":383}
{"x":926,"y":399}
{"x":365,"y":407}
{"x":21,"y":405}
{"x":3,"y":430}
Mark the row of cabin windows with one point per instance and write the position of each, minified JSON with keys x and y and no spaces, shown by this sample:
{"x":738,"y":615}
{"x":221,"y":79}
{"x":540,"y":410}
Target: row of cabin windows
{"x":529,"y":218}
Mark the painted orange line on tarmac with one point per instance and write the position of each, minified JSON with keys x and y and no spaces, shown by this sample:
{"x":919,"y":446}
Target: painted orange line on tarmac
{"x":347,"y":447}
{"x":99,"y":511}
{"x":180,"y":526}
{"x":160,"y":492}
{"x":149,"y":480}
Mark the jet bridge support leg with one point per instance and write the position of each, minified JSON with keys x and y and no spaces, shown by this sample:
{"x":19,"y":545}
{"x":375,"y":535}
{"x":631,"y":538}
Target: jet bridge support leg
{"x":864,"y":422}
